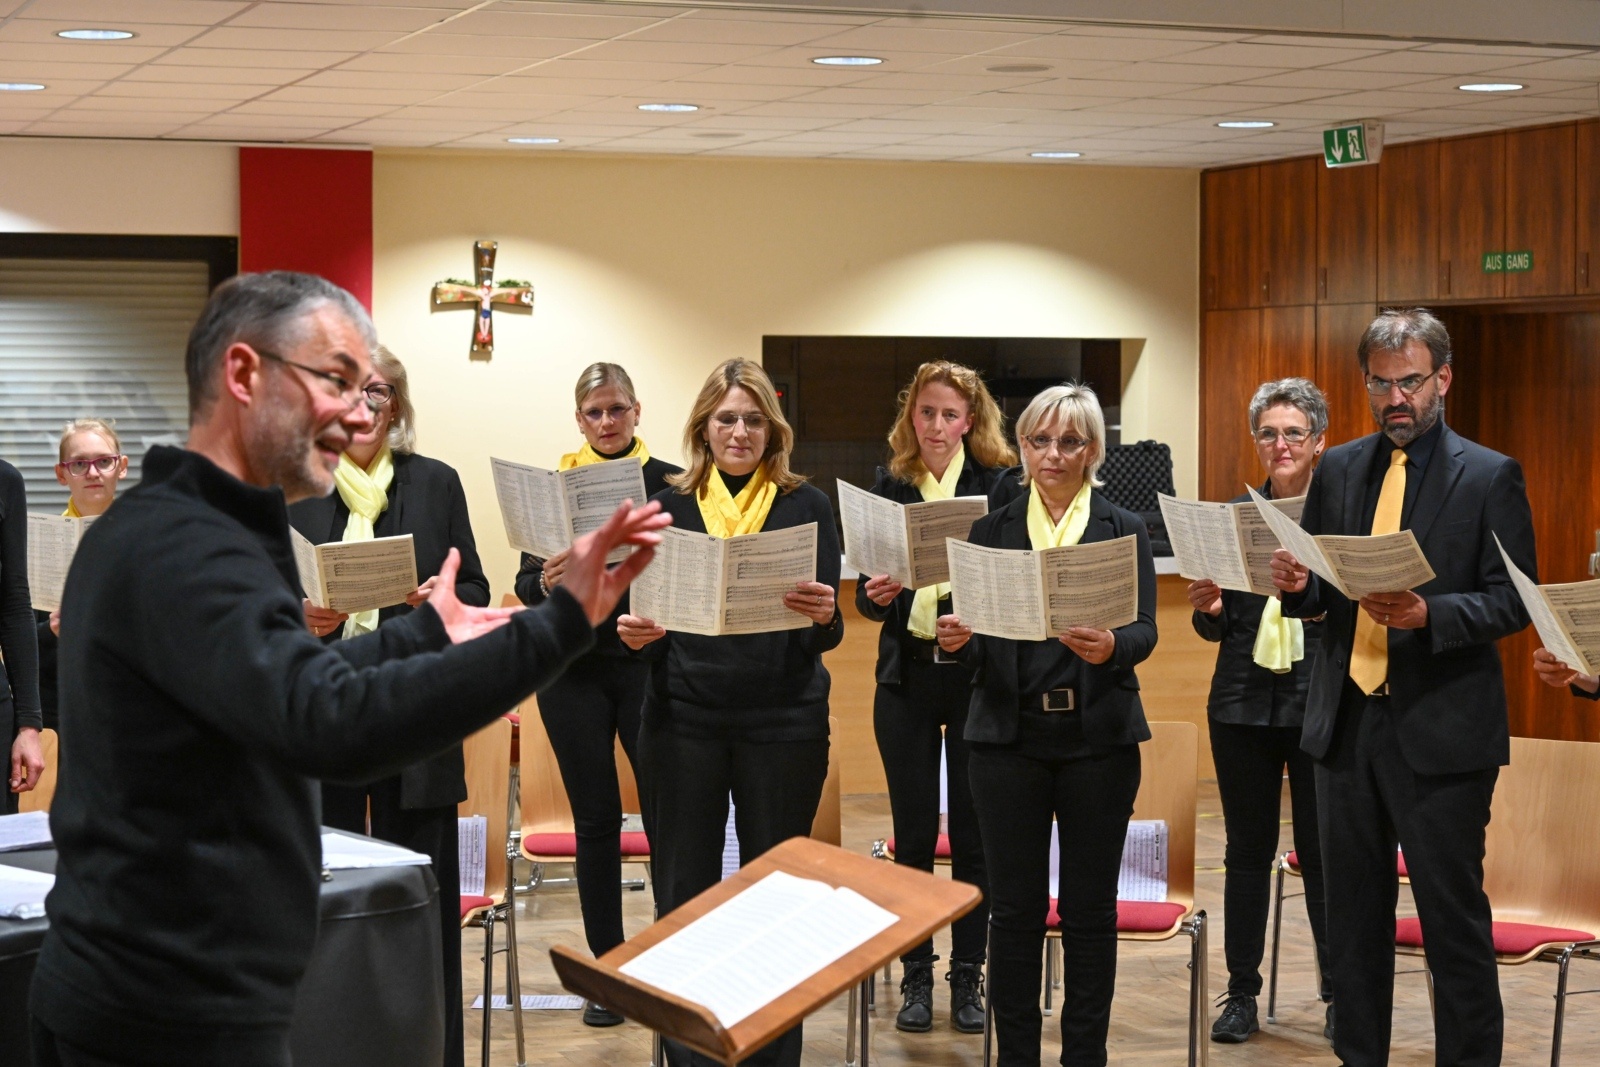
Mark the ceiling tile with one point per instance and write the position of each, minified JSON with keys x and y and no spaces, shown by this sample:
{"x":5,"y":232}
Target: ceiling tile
{"x":228,"y":37}
{"x":335,"y":16}
{"x":1076,"y":46}
{"x":706,"y":28}
{"x":590,"y":25}
{"x":151,"y":40}
{"x":1250,"y":54}
{"x":134,"y":12}
{"x":250,"y":57}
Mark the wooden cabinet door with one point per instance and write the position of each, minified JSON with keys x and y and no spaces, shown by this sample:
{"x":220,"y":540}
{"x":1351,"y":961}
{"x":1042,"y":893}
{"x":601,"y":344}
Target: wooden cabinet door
{"x":1588,"y":210}
{"x":1288,"y":221}
{"x":1408,"y":223}
{"x":1338,"y":375}
{"x":1347,"y":234}
{"x":1229,"y":374}
{"x":1228,"y":221}
{"x":1288,"y":343}
{"x":1541,"y":195}
{"x":1472,"y":184}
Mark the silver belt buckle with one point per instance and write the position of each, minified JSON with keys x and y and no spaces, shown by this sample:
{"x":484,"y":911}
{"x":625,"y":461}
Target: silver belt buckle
{"x":942,"y":657}
{"x":1059,"y":700}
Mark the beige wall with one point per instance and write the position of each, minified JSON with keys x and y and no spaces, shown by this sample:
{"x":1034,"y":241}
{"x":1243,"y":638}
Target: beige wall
{"x":670,"y":265}
{"x":135,"y":187}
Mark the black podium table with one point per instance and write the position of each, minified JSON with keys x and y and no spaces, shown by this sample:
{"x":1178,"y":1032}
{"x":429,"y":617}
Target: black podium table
{"x":372,"y":994}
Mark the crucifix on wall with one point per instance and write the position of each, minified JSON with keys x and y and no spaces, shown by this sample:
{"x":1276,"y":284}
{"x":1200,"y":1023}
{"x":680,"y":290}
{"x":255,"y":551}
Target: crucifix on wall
{"x":486,"y":294}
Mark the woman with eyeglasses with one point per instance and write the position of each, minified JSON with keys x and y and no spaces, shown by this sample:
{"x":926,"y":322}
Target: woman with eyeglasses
{"x":1054,"y":728}
{"x":948,"y":441}
{"x":598,"y":700}
{"x":744,"y":714}
{"x":1255,"y":712}
{"x":384,"y":489}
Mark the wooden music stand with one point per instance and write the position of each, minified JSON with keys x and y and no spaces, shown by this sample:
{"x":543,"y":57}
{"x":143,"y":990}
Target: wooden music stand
{"x":923,"y":902}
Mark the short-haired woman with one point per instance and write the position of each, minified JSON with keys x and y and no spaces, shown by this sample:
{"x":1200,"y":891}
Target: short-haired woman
{"x":1255,"y":712}
{"x":384,"y":489}
{"x":1055,"y":727}
{"x":746,"y":714}
{"x":948,"y":441}
{"x":597,"y":701}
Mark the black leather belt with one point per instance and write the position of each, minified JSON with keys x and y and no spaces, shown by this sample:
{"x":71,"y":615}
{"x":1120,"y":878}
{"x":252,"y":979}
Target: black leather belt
{"x":1058,"y":701}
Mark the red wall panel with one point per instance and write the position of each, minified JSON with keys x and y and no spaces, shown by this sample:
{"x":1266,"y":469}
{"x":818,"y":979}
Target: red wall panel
{"x":308,"y":209}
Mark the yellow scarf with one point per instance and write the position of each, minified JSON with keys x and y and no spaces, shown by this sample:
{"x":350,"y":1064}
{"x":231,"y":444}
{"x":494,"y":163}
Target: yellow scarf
{"x":1281,"y":642}
{"x":924,"y":618}
{"x":366,"y":494}
{"x":587,"y":455}
{"x":728,"y":516}
{"x":1042,"y":533}
{"x":72,"y":511}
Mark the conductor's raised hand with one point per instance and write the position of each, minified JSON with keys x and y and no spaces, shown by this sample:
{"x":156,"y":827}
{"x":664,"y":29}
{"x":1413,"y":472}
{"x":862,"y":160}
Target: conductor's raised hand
{"x":882,"y":589}
{"x":461,"y":621}
{"x":1092,"y":645}
{"x":1288,"y":573}
{"x":636,"y":631}
{"x":1205,"y":595}
{"x":1553,"y":672}
{"x":952,"y":636}
{"x":598,"y":587}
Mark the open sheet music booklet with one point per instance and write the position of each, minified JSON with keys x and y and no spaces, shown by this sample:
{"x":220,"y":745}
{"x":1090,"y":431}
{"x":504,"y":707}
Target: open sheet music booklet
{"x":752,"y":949}
{"x":1035,"y":595}
{"x":1231,"y":544}
{"x":1356,"y":565}
{"x":545,"y":511}
{"x":352,"y":576}
{"x":1567,"y":616}
{"x":52,"y":542}
{"x":904,"y":541}
{"x":699,"y":584}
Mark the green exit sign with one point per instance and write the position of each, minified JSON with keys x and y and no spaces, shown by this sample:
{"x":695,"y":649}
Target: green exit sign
{"x":1507,"y":262}
{"x":1354,"y":145}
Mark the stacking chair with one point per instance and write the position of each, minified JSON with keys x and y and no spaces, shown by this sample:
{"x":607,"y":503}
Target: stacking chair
{"x":487,"y":756}
{"x":38,"y":798}
{"x":1541,"y":870}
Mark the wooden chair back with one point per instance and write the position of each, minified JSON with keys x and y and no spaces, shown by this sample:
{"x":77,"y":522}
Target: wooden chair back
{"x":828,"y":825}
{"x":1541,"y":865}
{"x":545,"y":809}
{"x":488,"y":764}
{"x":1167,"y":787}
{"x":38,"y":798}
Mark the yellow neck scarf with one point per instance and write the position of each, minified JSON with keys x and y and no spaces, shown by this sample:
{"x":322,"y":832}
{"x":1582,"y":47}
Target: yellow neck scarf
{"x":1280,"y":642}
{"x":925,"y":605}
{"x":366,"y":494}
{"x":72,"y":511}
{"x":587,"y":455}
{"x":1044,"y":533}
{"x":726,"y":515}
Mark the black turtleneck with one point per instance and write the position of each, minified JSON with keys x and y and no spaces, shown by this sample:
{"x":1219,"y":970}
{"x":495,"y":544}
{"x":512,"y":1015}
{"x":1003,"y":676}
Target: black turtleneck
{"x":735,"y":482}
{"x":615,"y":455}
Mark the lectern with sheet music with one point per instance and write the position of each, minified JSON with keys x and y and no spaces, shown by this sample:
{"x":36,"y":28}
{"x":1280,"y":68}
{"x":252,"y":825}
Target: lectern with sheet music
{"x":920,"y":904}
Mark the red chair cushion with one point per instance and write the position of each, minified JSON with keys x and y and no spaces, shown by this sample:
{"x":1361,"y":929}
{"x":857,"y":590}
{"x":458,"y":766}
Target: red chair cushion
{"x":470,"y":903}
{"x":941,"y":848}
{"x":634,"y":843}
{"x":1510,"y":939}
{"x":1399,"y":863}
{"x":1134,"y":916}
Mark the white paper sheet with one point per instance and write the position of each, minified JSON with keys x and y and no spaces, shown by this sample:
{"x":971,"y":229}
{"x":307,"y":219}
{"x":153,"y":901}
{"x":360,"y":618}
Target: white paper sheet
{"x":545,"y":511}
{"x":1356,"y":565}
{"x":52,"y":542}
{"x":353,"y":576}
{"x":1566,"y":616}
{"x":1032,"y":596}
{"x":752,"y":949}
{"x":343,"y":852}
{"x":904,"y":541}
{"x":30,"y":829}
{"x":22,"y":892}
{"x":1143,"y":875}
{"x":701,"y":584}
{"x":472,"y":852}
{"x":1231,"y":544}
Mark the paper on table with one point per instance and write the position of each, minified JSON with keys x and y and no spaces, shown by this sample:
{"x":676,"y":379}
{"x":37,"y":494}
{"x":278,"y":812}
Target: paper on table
{"x":545,"y":511}
{"x":31,"y":829}
{"x":904,"y":541}
{"x":343,"y":852}
{"x":1143,"y":875}
{"x":472,"y":845}
{"x":352,"y":576}
{"x":755,"y":947}
{"x":52,"y":542}
{"x":1567,"y":616}
{"x":1356,"y":565}
{"x":1032,"y":596}
{"x":22,"y":892}
{"x":706,"y":585}
{"x":1231,"y":544}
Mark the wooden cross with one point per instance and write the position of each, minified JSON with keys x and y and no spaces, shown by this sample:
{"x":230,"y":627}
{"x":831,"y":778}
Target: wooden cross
{"x":486,"y":294}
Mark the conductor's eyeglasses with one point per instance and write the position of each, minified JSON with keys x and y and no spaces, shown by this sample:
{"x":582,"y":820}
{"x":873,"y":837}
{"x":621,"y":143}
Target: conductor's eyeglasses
{"x":1295,"y":436}
{"x":753,"y":421}
{"x":79,"y":467}
{"x":1408,"y":385}
{"x":1068,"y":446}
{"x":349,"y":392}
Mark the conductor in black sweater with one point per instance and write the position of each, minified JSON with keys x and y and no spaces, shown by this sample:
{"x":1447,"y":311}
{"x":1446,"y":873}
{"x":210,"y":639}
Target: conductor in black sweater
{"x":184,"y":908}
{"x":746,"y":713}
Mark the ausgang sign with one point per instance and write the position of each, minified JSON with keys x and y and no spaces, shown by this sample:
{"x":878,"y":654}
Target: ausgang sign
{"x":1354,"y":145}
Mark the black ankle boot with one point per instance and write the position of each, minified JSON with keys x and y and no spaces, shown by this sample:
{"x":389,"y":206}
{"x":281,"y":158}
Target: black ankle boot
{"x":916,"y":995}
{"x":966,"y":997}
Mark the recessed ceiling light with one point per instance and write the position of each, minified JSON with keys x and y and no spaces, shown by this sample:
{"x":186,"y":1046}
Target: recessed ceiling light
{"x":20,"y":87}
{"x":1056,"y":155}
{"x":1246,"y":124}
{"x":848,"y":61}
{"x":95,"y":35}
{"x":669,"y":107}
{"x":717,"y":135}
{"x":1489,"y":87}
{"x":533,"y":140}
{"x":1019,"y":68}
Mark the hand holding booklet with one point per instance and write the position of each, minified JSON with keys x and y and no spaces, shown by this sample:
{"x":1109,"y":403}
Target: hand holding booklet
{"x":1567,"y":616}
{"x":52,"y":542}
{"x":545,"y":511}
{"x":1355,"y":565}
{"x":904,"y":541}
{"x":352,"y":576}
{"x":1036,"y":595}
{"x":699,"y":584}
{"x":1231,"y":544}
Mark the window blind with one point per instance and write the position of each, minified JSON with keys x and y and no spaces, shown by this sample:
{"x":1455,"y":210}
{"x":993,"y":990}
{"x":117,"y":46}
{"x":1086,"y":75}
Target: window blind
{"x":101,"y":338}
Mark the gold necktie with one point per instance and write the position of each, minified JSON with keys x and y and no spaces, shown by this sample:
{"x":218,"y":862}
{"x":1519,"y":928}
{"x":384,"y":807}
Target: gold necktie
{"x":1369,"y":657}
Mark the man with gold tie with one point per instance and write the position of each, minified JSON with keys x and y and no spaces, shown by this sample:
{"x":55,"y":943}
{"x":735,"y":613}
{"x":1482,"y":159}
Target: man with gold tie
{"x":1406,"y":714}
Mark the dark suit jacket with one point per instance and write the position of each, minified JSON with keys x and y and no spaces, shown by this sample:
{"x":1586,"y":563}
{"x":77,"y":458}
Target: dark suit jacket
{"x":1447,"y":695}
{"x":1108,"y":693}
{"x":425,"y":501}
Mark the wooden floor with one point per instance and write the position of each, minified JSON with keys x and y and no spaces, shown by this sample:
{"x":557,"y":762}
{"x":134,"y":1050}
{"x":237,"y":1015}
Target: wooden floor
{"x":1147,"y":1024}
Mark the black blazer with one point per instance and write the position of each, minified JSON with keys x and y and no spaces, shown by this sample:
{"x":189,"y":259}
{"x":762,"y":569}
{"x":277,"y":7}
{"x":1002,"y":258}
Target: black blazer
{"x":1447,"y":694}
{"x":425,"y":501}
{"x":975,"y":480}
{"x":1108,"y":693}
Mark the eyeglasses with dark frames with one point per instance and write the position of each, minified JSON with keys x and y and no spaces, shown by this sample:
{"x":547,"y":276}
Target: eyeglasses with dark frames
{"x":375,"y":396}
{"x":1409,"y":385}
{"x":1295,"y":436}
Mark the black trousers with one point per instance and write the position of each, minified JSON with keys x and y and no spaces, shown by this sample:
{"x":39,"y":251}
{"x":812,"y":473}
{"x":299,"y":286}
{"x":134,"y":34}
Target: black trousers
{"x":1250,"y":764}
{"x":776,"y":788}
{"x":1051,"y":771}
{"x":1371,"y":801}
{"x":906,"y":719}
{"x":50,"y":1050}
{"x":433,"y":832}
{"x":596,"y":701}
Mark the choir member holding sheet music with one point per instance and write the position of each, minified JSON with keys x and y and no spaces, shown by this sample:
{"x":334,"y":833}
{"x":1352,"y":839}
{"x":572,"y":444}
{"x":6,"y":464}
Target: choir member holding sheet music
{"x":384,"y":489}
{"x":743,"y":713}
{"x":1554,"y":672}
{"x":1055,"y":727}
{"x":20,"y":719}
{"x":948,"y":441}
{"x":597,"y":701}
{"x":1255,"y":713}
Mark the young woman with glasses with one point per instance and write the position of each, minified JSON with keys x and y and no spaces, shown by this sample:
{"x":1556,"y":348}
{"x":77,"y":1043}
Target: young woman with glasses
{"x":597,"y":701}
{"x":384,"y":489}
